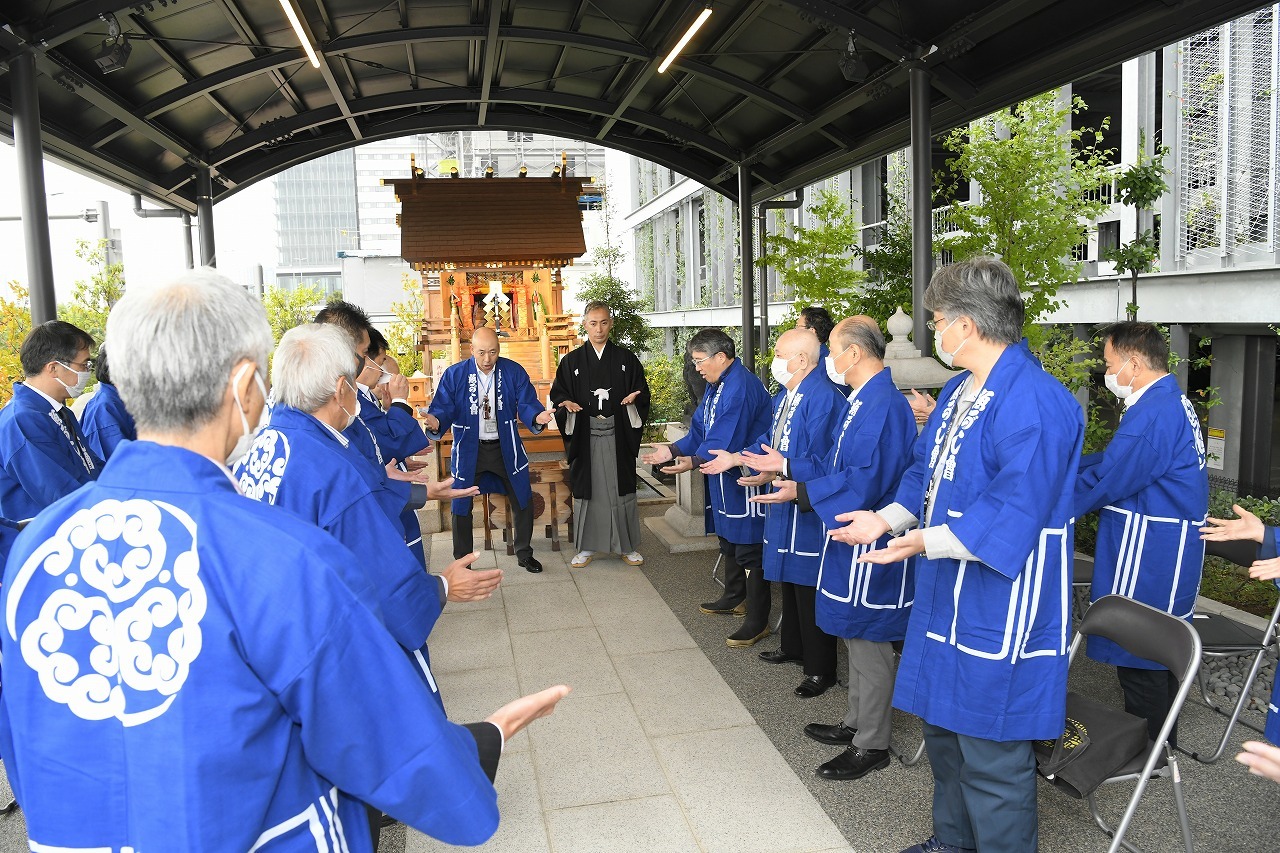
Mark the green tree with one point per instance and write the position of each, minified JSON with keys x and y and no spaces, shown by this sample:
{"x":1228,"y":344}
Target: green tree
{"x":630,"y":328}
{"x":402,"y":335}
{"x":816,"y":261}
{"x":291,"y":307}
{"x":1140,"y":186}
{"x":15,"y":325}
{"x":888,"y":265}
{"x":1039,"y":186}
{"x":92,"y":300}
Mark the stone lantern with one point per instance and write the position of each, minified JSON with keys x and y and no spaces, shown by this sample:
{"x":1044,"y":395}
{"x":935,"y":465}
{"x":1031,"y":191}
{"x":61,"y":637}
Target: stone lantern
{"x":911,"y":369}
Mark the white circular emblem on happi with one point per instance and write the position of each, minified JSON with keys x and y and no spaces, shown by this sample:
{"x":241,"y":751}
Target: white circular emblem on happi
{"x":107,"y":610}
{"x":263,"y":467}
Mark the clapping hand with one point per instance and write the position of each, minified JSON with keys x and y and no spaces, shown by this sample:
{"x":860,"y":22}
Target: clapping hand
{"x":466,"y":584}
{"x":756,"y":479}
{"x":630,"y":398}
{"x":430,"y":421}
{"x":570,"y":406}
{"x":922,"y":405}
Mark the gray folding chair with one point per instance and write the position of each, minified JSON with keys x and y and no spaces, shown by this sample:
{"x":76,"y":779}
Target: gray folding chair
{"x":1171,"y":642}
{"x":1222,"y":637}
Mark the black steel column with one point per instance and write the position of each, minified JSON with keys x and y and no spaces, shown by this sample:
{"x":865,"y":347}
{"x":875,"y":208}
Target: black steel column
{"x":921,"y":205}
{"x":748,"y":271}
{"x":186,"y":240}
{"x":1257,"y":413}
{"x":204,"y":210}
{"x":35,"y":211}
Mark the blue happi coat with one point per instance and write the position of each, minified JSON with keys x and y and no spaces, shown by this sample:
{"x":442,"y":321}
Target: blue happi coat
{"x":732,"y":412}
{"x":298,"y":464}
{"x":1151,"y":490}
{"x":394,"y":496}
{"x":396,"y":435}
{"x":873,"y":450}
{"x":105,"y":422}
{"x":39,"y":462}
{"x":456,"y":404}
{"x":986,"y":647}
{"x":185,"y":669}
{"x":793,"y":539}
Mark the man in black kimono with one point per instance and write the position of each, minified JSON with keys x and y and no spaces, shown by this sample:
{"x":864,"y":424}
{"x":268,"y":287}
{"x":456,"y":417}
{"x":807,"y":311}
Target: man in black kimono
{"x":602,"y":401}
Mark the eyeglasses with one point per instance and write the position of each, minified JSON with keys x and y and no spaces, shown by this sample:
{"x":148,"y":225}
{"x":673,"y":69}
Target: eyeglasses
{"x":88,"y":365}
{"x":697,"y":362}
{"x":932,"y":325}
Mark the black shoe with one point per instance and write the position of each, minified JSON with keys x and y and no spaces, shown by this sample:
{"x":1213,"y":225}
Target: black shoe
{"x":854,"y":763}
{"x":840,"y":735}
{"x":725,"y":605}
{"x":388,"y":820}
{"x":746,"y":636}
{"x":815,"y":685}
{"x":530,"y":564}
{"x":779,"y":656}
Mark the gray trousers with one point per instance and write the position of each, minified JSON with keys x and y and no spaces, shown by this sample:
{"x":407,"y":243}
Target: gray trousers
{"x":871,"y":668}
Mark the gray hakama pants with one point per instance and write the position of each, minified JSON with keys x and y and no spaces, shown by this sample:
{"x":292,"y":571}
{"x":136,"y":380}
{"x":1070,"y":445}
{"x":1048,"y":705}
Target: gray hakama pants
{"x":607,"y":522}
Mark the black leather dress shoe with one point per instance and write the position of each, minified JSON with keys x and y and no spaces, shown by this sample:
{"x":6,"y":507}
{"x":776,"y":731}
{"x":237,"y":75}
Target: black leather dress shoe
{"x":815,"y":685}
{"x":779,"y":656}
{"x":839,"y":735}
{"x":854,"y":763}
{"x":531,"y":564}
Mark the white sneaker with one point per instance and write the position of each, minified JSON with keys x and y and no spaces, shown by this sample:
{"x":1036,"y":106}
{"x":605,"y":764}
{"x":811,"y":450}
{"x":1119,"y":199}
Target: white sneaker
{"x":582,"y":559}
{"x":633,"y":559}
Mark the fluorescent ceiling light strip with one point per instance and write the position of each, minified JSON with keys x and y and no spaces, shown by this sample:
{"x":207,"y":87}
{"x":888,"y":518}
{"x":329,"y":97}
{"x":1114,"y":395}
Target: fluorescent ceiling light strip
{"x":684,"y":39}
{"x":302,"y":37}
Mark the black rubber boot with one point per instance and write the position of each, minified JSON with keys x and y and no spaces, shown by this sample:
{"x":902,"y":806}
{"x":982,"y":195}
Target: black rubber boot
{"x":733,"y":601}
{"x":756,"y":625}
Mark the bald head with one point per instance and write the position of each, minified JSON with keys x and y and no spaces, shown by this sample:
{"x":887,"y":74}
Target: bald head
{"x":857,"y":349}
{"x":799,"y":348}
{"x":799,"y":342}
{"x":484,"y":348}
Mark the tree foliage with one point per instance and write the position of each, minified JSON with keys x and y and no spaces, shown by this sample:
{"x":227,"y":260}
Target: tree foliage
{"x":1140,"y":186}
{"x":291,"y":307}
{"x":92,"y":300}
{"x":402,"y":335}
{"x":816,"y":261}
{"x":1040,"y":185}
{"x":15,"y":325}
{"x":630,"y":328}
{"x":888,"y":265}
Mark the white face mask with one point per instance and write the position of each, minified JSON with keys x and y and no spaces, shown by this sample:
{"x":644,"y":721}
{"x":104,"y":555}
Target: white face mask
{"x":82,"y":380}
{"x":947,"y":358}
{"x":834,"y":375}
{"x":351,"y":416}
{"x":245,"y":441}
{"x":1112,"y":381}
{"x":779,"y":370}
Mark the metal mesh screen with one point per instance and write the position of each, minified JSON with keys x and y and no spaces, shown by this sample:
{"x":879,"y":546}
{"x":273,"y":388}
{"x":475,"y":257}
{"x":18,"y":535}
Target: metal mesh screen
{"x":1250,"y":118}
{"x":1227,"y":135}
{"x":1199,"y":195}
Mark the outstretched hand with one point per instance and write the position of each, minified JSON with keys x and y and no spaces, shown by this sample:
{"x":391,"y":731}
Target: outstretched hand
{"x":679,"y":466}
{"x":723,"y":461}
{"x":661,"y":453}
{"x":514,"y":716}
{"x":767,"y":459}
{"x":896,"y":550}
{"x":784,"y":491}
{"x":466,"y":584}
{"x":1262,"y":759}
{"x":630,"y":398}
{"x":863,"y":527}
{"x":442,"y":490}
{"x":1247,"y":527}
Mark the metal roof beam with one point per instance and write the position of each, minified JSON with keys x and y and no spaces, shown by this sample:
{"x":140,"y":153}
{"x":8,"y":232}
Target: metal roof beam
{"x":241,"y":25}
{"x":488,"y":66}
{"x":326,"y":72}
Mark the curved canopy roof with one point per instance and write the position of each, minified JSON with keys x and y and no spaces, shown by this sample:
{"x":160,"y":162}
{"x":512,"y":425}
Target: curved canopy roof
{"x":224,"y":84}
